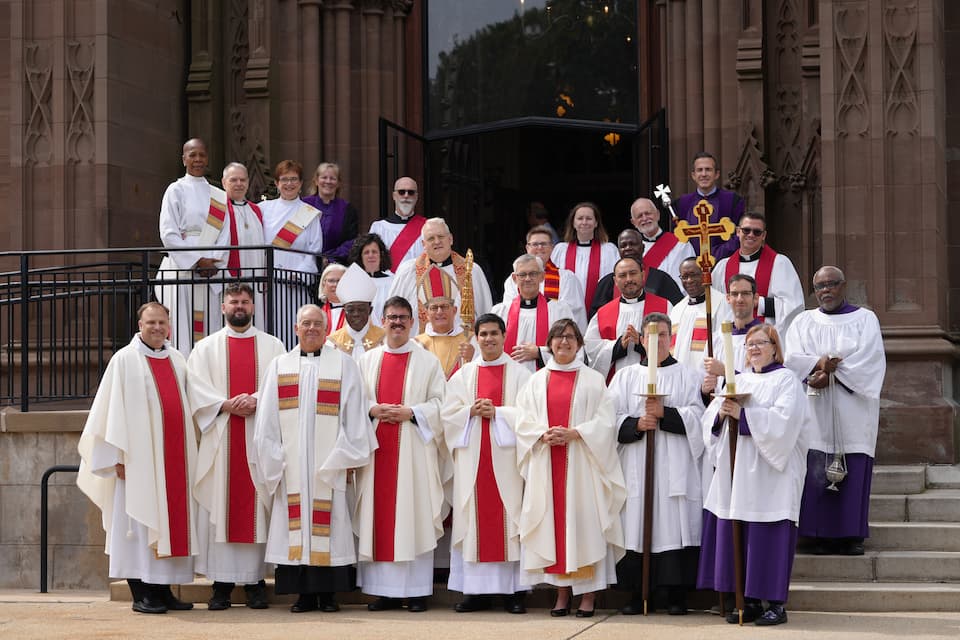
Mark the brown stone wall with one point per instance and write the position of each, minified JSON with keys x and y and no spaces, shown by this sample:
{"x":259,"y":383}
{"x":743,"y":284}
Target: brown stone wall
{"x":10,"y":230}
{"x":951,"y":41}
{"x":75,"y":539}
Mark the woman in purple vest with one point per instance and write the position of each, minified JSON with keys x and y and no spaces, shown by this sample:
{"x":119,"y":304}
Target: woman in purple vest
{"x":340,"y":221}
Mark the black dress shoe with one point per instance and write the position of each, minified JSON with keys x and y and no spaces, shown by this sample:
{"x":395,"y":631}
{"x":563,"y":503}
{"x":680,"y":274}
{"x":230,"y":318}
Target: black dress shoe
{"x":306,"y":602}
{"x":584,"y":614}
{"x":853,"y":548}
{"x":776,"y":614}
{"x":171,"y":601}
{"x":471,"y":604}
{"x":151,"y":601}
{"x":517,"y":603}
{"x":256,"y":595}
{"x":751,"y":612}
{"x":327,"y":602}
{"x":559,"y":613}
{"x":677,"y":610}
{"x":633,"y":608}
{"x":417,"y":605}
{"x":221,"y":596}
{"x":384,"y":604}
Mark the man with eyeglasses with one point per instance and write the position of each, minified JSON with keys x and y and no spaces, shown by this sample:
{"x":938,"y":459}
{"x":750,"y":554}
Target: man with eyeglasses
{"x":741,"y":301}
{"x":837,"y":349}
{"x":400,"y":498}
{"x":558,"y":283}
{"x":400,"y":230}
{"x":438,"y":251}
{"x":780,"y":294}
{"x":442,"y":335}
{"x":661,"y":250}
{"x":529,"y":315}
{"x":630,"y":245}
{"x":614,"y":337}
{"x":311,"y":431}
{"x":357,"y":290}
{"x":689,"y":317}
{"x":726,"y":204}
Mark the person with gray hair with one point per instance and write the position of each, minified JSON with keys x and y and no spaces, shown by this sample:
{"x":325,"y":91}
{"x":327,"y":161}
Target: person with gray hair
{"x":529,"y":315}
{"x":837,"y":351}
{"x":673,"y":420}
{"x":312,"y":430}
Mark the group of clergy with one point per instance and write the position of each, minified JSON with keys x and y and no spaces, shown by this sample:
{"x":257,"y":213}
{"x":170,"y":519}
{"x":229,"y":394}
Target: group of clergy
{"x":430,"y":439}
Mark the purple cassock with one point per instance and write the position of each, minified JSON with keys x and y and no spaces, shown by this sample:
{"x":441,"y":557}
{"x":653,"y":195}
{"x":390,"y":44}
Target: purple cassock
{"x":726,"y":204}
{"x":340,"y":224}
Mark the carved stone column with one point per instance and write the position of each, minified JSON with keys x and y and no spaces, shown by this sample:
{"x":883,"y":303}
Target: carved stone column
{"x":255,"y":139}
{"x":884,"y":204}
{"x":371,"y":104}
{"x":205,"y":79}
{"x":310,"y":81}
{"x":343,"y":141}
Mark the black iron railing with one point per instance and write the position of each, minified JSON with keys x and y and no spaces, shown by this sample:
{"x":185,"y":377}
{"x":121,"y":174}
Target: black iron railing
{"x":64,"y":313}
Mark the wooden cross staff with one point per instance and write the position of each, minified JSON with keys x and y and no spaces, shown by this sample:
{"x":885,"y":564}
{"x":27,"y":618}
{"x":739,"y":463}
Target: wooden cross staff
{"x":703,"y":231}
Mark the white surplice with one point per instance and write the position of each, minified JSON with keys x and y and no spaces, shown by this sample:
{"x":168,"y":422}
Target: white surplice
{"x":600,"y":350}
{"x":609,"y":254}
{"x":125,"y":426}
{"x":388,"y":232}
{"x":785,"y":289}
{"x":462,"y":434}
{"x":527,"y":325}
{"x":670,"y":264}
{"x":571,"y":294}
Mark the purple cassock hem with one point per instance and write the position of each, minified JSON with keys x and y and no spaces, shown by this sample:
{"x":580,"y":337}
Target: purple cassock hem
{"x":768,"y":550}
{"x":836,"y":514}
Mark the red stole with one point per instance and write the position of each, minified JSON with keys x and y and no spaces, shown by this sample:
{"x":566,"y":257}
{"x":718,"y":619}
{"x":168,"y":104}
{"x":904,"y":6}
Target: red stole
{"x":233,"y":258}
{"x":513,"y":323}
{"x":762,"y":275}
{"x":551,"y":281}
{"x":661,"y":249}
{"x":593,"y":269}
{"x":608,"y":314}
{"x":409,"y":235}
{"x":241,"y":495}
{"x":560,"y":385}
{"x":386,"y":461}
{"x":174,"y":455}
{"x":698,"y":337}
{"x":491,"y":516}
{"x":328,"y":309}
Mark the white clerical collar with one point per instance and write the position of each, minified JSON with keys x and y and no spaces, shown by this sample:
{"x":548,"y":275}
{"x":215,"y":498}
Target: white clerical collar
{"x":655,"y":237}
{"x":403,"y":217}
{"x":553,"y":365}
{"x":625,"y":300}
{"x":502,"y":359}
{"x":753,"y":257}
{"x":455,"y":331}
{"x":246,"y":333}
{"x":406,"y":347}
{"x":150,"y":352}
{"x":242,"y":203}
{"x":707,"y":195}
{"x":358,"y":335}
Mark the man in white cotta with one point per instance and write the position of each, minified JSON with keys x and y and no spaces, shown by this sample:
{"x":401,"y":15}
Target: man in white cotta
{"x":479,"y":422}
{"x":400,"y":493}
{"x":530,"y":314}
{"x":400,"y":231}
{"x":193,"y":213}
{"x":778,"y":285}
{"x":226,"y":369}
{"x":613,"y":335}
{"x":673,"y":421}
{"x":311,"y":431}
{"x":661,"y":249}
{"x":689,"y":317}
{"x":438,"y":250}
{"x":138,"y":454}
{"x":837,"y":350}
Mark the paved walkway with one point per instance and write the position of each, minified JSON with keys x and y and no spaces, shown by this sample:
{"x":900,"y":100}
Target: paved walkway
{"x":85,"y":615}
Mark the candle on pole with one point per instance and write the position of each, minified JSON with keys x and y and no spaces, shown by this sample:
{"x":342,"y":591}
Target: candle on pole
{"x":728,"y":370}
{"x":653,"y":359}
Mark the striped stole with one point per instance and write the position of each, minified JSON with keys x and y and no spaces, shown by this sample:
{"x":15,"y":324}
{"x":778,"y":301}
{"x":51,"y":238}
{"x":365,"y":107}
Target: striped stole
{"x":216,"y":217}
{"x":299,"y":221}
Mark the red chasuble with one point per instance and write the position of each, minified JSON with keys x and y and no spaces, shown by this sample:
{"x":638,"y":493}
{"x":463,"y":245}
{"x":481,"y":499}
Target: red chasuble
{"x":560,"y":385}
{"x":513,"y":323}
{"x":762,"y":275}
{"x":233,"y":258}
{"x":593,"y":269}
{"x":409,"y":235}
{"x":386,"y":461}
{"x":491,"y":516}
{"x":174,"y":455}
{"x":241,"y":496}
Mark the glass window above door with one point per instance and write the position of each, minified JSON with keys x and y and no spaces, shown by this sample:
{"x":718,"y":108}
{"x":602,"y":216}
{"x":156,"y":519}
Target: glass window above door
{"x":501,"y":59}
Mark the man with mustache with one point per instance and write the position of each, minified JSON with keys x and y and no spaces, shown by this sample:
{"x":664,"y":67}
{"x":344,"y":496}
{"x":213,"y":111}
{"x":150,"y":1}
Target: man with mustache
{"x":400,"y":230}
{"x":225,"y":373}
{"x":400,"y":499}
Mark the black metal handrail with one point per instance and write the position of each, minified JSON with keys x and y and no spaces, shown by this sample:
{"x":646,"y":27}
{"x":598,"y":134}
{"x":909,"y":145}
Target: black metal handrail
{"x":44,"y":520}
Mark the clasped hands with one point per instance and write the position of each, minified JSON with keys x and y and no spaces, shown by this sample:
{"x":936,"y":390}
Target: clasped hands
{"x":395,"y":413}
{"x":820,"y":377}
{"x":558,"y":435}
{"x":484,"y":408}
{"x":242,"y":404}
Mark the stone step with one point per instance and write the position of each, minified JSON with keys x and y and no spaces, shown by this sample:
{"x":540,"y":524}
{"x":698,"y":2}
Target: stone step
{"x":933,"y":505}
{"x":914,"y":536}
{"x":882,"y":566}
{"x":943,"y":476}
{"x":873,"y":596}
{"x":902,"y":479}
